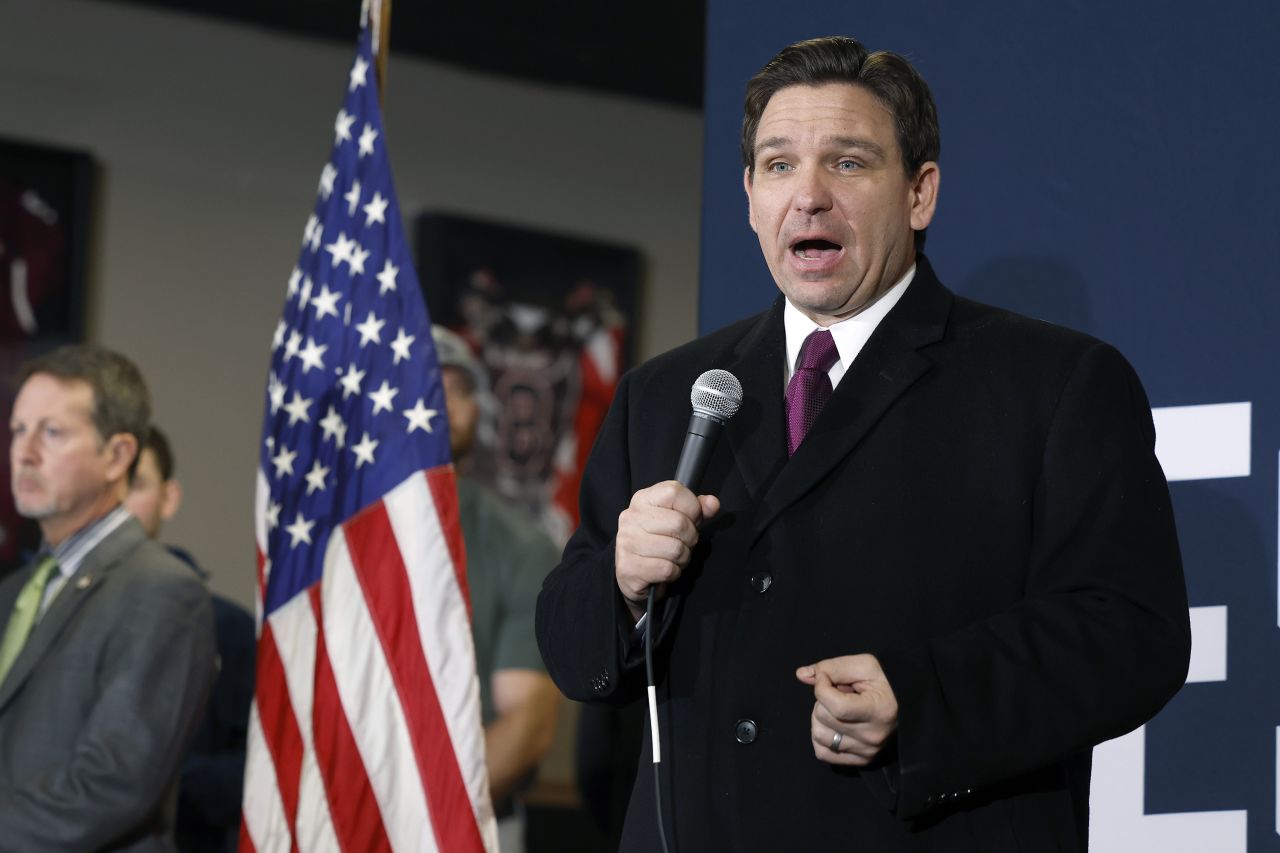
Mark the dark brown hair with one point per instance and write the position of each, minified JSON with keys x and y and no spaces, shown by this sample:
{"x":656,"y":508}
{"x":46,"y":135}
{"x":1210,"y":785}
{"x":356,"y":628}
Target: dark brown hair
{"x":839,"y":59}
{"x":121,"y":403}
{"x":158,"y":444}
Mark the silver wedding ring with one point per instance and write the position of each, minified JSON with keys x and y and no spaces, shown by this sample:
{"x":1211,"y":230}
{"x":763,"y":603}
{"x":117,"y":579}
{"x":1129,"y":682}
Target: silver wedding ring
{"x":835,"y":741}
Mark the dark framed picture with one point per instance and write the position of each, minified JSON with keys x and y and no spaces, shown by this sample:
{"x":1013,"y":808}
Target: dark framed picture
{"x":45,"y":196}
{"x":552,"y":318}
{"x":45,"y":215}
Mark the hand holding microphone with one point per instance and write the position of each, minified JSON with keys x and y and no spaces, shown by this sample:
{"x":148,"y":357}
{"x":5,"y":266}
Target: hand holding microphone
{"x":656,"y":535}
{"x":657,"y":532}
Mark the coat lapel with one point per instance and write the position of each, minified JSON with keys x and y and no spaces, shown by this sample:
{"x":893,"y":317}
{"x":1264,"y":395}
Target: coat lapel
{"x":888,"y":365}
{"x":88,"y":579}
{"x":758,"y":432}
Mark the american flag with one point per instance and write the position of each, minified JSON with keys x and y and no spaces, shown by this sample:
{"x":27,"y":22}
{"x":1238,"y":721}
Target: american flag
{"x":365,"y":731}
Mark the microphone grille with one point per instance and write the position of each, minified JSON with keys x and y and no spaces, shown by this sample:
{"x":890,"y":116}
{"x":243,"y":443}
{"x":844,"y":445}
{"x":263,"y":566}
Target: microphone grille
{"x":716,"y":394}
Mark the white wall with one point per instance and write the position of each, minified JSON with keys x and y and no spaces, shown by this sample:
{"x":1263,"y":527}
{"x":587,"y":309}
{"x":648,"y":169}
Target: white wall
{"x":210,"y":137}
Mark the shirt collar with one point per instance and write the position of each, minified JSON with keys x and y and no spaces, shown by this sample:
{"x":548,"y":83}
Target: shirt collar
{"x":850,"y":334}
{"x":71,"y":551}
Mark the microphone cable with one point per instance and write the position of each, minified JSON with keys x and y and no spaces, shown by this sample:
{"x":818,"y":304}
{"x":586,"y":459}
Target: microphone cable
{"x":653,"y":716}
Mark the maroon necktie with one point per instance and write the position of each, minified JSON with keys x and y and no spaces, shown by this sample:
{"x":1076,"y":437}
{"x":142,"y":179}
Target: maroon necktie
{"x":810,"y":387}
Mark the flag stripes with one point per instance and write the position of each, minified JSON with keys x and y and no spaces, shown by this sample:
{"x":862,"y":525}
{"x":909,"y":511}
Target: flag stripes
{"x":352,"y":803}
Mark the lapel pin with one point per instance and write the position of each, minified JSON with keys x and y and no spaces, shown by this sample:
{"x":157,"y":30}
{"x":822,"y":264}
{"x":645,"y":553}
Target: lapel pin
{"x":84,"y":582}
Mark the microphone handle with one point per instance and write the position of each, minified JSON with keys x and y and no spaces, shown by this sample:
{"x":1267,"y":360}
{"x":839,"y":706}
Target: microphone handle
{"x":699,"y":441}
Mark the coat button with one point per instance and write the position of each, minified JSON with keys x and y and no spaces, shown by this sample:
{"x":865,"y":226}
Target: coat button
{"x":761,"y":581}
{"x":746,"y":731}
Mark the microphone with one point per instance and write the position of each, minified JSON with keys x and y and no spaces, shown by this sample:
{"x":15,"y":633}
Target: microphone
{"x":716,"y":397}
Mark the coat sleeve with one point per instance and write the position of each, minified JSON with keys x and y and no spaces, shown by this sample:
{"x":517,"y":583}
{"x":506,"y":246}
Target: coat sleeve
{"x":153,"y":677}
{"x":1100,"y":641}
{"x":584,"y":630}
{"x":212,"y":776}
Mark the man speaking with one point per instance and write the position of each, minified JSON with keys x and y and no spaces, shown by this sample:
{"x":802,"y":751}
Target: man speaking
{"x":935,"y":560}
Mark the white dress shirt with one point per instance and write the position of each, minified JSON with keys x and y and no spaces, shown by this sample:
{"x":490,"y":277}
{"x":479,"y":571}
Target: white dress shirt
{"x":850,"y":334}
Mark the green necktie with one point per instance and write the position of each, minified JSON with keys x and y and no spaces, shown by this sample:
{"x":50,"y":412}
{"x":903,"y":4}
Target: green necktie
{"x":25,"y":610}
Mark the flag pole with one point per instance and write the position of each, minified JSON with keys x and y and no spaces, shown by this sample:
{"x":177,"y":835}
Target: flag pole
{"x":382,"y":17}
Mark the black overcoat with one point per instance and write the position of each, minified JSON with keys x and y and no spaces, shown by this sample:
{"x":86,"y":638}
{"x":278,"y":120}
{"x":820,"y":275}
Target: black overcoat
{"x":979,"y":506}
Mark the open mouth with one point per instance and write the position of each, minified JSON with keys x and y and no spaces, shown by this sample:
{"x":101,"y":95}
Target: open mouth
{"x":816,"y":250}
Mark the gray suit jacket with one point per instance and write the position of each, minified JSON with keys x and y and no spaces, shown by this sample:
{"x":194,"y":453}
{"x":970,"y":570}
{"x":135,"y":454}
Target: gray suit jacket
{"x":99,"y":706}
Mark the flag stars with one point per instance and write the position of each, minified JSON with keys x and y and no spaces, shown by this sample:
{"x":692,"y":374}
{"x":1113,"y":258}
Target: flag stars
{"x":275,"y":390}
{"x":295,"y":337}
{"x":334,"y":427}
{"x":298,"y":409}
{"x":309,"y":233}
{"x":350,"y":382}
{"x":376,"y":210}
{"x":370,"y":330}
{"x":352,"y":197}
{"x":364,"y":450}
{"x":387,"y":278}
{"x":359,"y":74}
{"x":327,"y":176}
{"x":326,"y":302}
{"x":358,"y":256}
{"x":348,"y":250}
{"x":383,"y":396}
{"x":366,"y":140}
{"x":419,"y":417}
{"x":300,"y":531}
{"x":400,"y":346}
{"x":312,"y":355}
{"x":342,"y":127}
{"x":340,"y":249}
{"x":315,"y":477}
{"x":284,"y":462}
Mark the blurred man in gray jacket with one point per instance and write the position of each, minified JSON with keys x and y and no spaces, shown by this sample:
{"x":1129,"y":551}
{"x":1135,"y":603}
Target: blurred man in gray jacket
{"x":107,"y":652}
